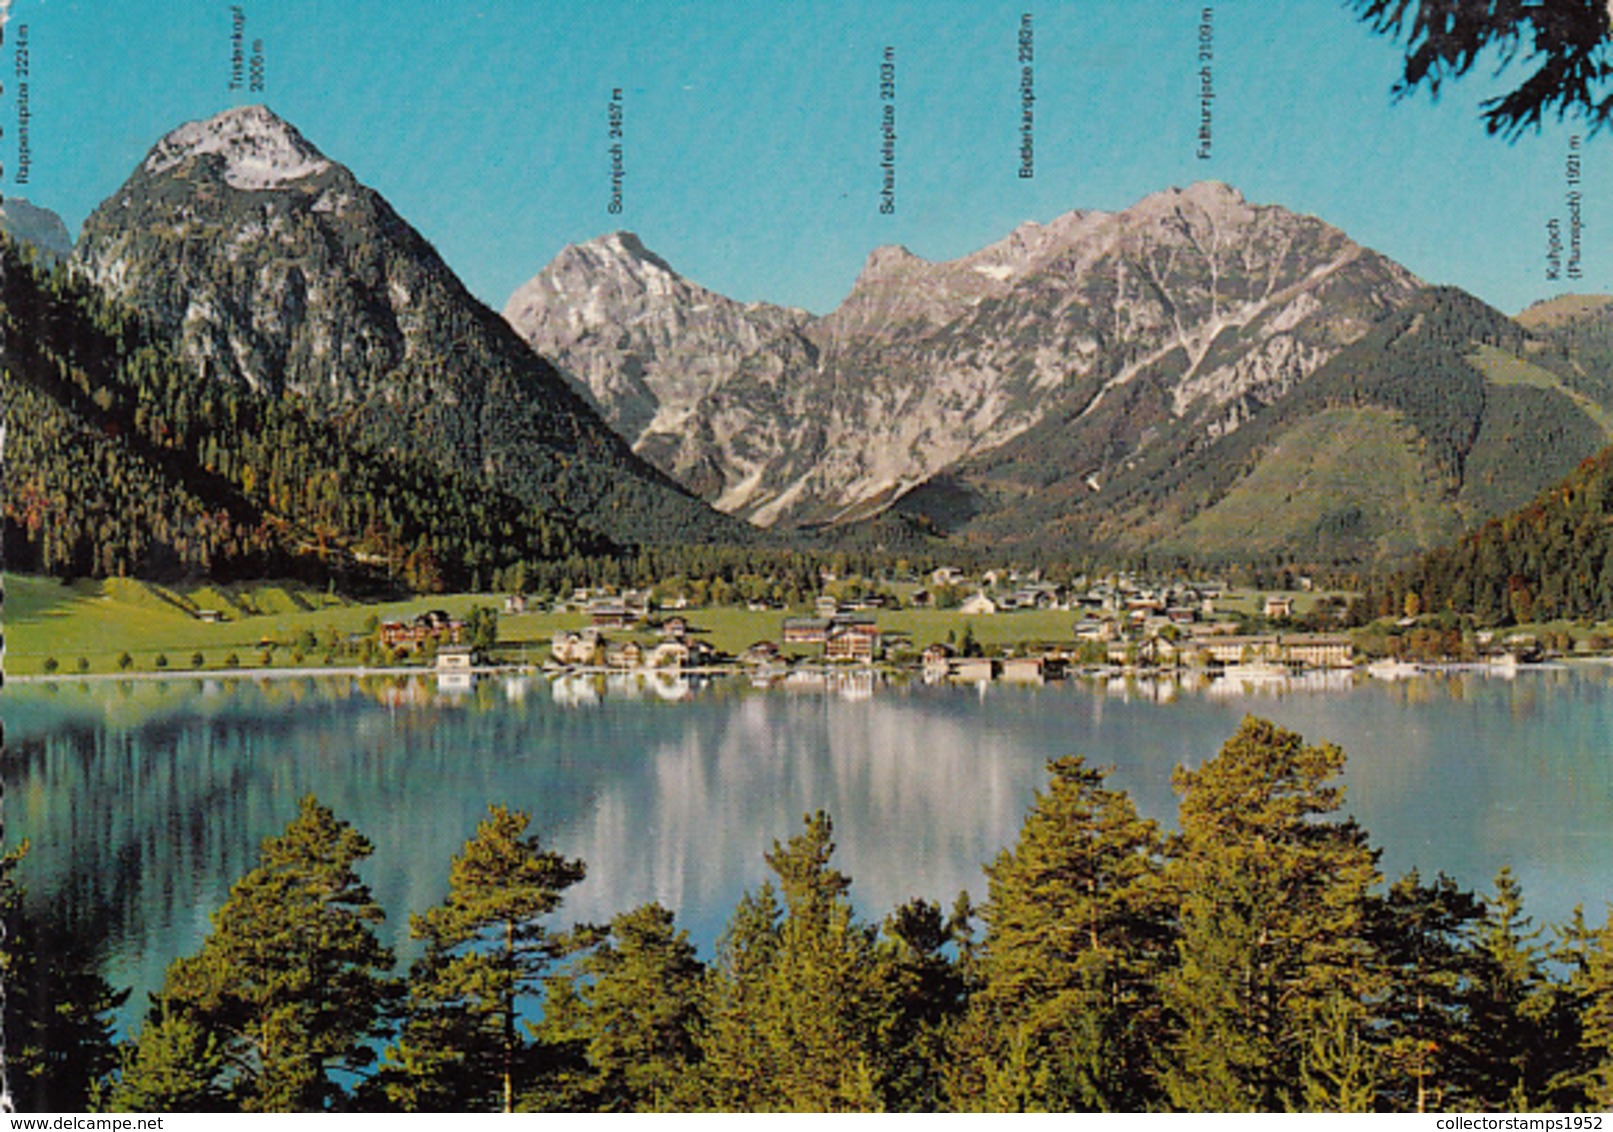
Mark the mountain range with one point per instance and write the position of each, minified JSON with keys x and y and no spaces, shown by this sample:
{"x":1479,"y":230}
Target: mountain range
{"x":1195,"y":374}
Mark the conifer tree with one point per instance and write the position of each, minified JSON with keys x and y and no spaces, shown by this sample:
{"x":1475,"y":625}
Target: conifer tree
{"x":1574,"y":1061}
{"x":58,"y":1031}
{"x":1596,"y":995}
{"x":1567,"y":43}
{"x":287,"y":991}
{"x":173,"y":1065}
{"x":1340,"y":1066}
{"x":1075,"y":941}
{"x":734,"y":1069}
{"x":1423,"y":934}
{"x":1271,"y":890}
{"x":1510,"y":1006}
{"x":631,"y":1007}
{"x":64,"y":1007}
{"x":793,"y":1001}
{"x":926,"y":994}
{"x":486,"y":949}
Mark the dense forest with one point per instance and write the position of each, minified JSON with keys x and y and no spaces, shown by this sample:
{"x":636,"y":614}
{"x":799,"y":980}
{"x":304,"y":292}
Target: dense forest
{"x":121,"y":463}
{"x":1253,"y":960}
{"x":1550,"y":560}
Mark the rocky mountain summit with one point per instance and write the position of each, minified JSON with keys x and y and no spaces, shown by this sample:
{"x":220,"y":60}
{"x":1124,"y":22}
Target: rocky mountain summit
{"x":256,"y":150}
{"x":39,"y":227}
{"x":1192,"y":305}
{"x":650,"y":348}
{"x":268,"y":265}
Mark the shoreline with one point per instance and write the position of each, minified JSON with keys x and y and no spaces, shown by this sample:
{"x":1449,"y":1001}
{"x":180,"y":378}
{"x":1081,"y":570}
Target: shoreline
{"x":361,"y":671}
{"x":347,"y":670}
{"x":224,"y":673}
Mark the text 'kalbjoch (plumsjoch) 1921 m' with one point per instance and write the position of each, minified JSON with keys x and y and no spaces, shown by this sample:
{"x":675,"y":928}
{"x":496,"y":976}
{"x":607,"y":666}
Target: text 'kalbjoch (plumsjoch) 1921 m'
{"x":887,"y":131}
{"x":1027,"y":97}
{"x":1574,"y":199}
{"x":615,"y":117}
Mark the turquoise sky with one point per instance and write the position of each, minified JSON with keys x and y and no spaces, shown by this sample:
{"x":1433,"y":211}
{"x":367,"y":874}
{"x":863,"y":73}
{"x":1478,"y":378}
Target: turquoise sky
{"x":752,"y":144}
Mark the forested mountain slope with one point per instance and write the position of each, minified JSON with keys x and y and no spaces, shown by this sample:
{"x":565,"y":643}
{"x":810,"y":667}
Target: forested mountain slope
{"x":1551,"y":559}
{"x":119,"y":460}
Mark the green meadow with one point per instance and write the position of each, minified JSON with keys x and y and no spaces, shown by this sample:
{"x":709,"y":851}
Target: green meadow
{"x":100,"y":621}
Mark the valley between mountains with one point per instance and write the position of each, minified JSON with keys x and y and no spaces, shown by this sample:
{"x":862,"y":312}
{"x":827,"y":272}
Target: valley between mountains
{"x":1196,"y":377}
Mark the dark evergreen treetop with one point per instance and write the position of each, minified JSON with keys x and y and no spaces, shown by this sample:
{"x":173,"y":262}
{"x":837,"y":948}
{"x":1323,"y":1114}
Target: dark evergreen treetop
{"x":631,"y":1011}
{"x":1271,"y":893}
{"x":1077,"y":938}
{"x":288,"y":991}
{"x":1569,"y":43}
{"x":487,"y":948}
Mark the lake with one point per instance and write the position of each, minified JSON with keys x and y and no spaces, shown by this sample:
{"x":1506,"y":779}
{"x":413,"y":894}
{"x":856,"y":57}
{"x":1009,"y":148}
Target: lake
{"x":146,"y":799}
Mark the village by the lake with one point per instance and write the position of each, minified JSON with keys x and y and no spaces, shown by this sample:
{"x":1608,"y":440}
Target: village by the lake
{"x":1003,"y":624}
{"x":806,"y":558}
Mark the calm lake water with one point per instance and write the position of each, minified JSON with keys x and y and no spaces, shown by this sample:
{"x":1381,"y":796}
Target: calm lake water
{"x":145,"y":800}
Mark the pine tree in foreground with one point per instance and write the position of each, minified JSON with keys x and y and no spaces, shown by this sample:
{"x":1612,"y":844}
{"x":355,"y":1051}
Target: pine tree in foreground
{"x":926,"y":993}
{"x":1517,"y":1035}
{"x":288,"y":991}
{"x":1423,"y":934}
{"x":1271,"y":893}
{"x":58,"y":1030}
{"x":1068,"y":1014}
{"x":630,"y":1009}
{"x":461,"y":1047}
{"x":793,"y":1001}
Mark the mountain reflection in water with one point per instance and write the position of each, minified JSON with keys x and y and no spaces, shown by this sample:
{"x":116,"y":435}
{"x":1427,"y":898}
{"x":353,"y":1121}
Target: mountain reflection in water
{"x":145,"y":800}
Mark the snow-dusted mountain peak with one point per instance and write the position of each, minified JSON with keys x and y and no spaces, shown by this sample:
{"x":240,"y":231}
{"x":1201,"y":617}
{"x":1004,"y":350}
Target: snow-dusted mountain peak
{"x":619,"y":255}
{"x":629,"y":249}
{"x":260,"y":150}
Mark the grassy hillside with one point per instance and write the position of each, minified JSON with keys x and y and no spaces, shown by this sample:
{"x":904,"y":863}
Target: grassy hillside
{"x":1527,"y":435}
{"x":100,"y":620}
{"x":1503,"y":368}
{"x":1563,"y":309}
{"x":1345,"y":484}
